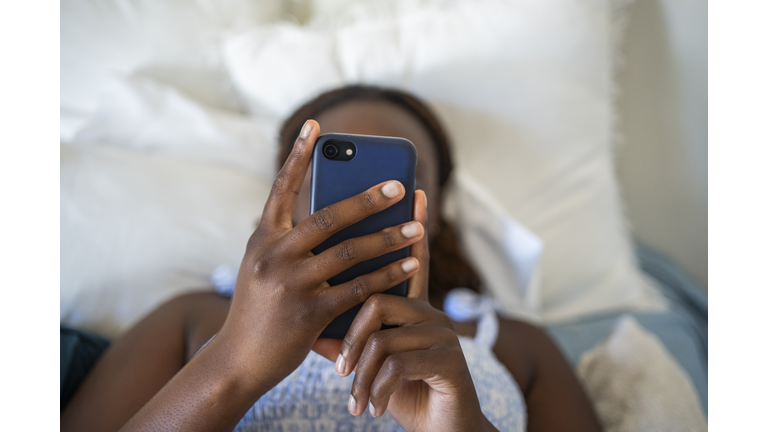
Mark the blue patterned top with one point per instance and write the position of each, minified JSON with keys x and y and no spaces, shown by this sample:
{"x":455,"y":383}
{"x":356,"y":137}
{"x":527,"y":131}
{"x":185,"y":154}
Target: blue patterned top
{"x":314,"y":398}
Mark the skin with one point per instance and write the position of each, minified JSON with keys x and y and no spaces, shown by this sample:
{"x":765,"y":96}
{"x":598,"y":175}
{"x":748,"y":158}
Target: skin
{"x":151,"y":379}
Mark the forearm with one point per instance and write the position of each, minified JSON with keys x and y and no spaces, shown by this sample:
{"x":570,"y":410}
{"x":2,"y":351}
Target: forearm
{"x":143,"y":360}
{"x":212,"y":392}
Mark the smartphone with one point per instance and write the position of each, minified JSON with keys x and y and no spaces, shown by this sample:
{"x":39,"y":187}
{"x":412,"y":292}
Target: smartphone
{"x":344,"y":165}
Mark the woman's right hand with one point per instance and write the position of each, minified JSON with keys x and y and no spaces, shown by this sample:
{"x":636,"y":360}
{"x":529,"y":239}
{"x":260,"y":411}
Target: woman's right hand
{"x":282,"y":301}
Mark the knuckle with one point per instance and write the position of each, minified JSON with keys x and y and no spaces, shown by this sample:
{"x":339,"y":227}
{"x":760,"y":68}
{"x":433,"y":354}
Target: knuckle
{"x":298,"y":152}
{"x":377,"y":342}
{"x":280,"y":185}
{"x":263,"y":264}
{"x":345,"y":252}
{"x":448,"y":336}
{"x":390,"y":275}
{"x":359,"y":288}
{"x":390,"y":240}
{"x":323,"y":219}
{"x":394,"y":365}
{"x":443,"y":320}
{"x":375,"y":302}
{"x":367,"y":201}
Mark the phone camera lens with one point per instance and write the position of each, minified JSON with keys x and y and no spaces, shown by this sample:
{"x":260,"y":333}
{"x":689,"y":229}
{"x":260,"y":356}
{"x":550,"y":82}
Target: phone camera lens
{"x":331,"y":151}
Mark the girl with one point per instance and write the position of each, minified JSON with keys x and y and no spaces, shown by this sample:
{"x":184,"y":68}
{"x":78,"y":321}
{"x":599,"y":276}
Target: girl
{"x":266,"y":369}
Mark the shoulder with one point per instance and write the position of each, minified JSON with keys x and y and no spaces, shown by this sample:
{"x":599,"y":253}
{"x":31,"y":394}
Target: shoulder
{"x":518,"y":347}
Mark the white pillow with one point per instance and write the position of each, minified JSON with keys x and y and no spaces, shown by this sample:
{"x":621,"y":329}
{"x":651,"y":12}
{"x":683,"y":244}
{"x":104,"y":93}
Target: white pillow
{"x":156,"y":192}
{"x":524,"y":89}
{"x":160,"y":125}
{"x":137,"y":229}
{"x":170,"y":39}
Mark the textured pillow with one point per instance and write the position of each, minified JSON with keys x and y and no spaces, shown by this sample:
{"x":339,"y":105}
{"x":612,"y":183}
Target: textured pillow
{"x":116,"y":167}
{"x":636,"y":386}
{"x":155,"y":193}
{"x":137,"y":229}
{"x":170,"y":39}
{"x":524,"y":88}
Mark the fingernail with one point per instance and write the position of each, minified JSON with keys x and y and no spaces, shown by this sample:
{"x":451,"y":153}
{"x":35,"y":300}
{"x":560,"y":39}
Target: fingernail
{"x":425,"y":200}
{"x":372,"y":409}
{"x":340,"y":364}
{"x":411,"y":230}
{"x":352,"y":405}
{"x":410,"y":265}
{"x":391,"y":189}
{"x":306,"y":130}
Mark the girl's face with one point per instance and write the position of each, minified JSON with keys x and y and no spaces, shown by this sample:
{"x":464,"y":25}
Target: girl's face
{"x":383,"y":119}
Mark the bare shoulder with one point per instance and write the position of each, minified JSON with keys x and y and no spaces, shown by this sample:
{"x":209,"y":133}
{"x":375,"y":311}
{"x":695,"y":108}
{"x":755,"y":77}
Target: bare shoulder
{"x":555,"y":398}
{"x":519,"y":347}
{"x":201,"y":314}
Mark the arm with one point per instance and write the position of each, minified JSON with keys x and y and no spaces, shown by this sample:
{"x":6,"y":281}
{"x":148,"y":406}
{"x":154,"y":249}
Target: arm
{"x":139,"y":363}
{"x":553,"y":394}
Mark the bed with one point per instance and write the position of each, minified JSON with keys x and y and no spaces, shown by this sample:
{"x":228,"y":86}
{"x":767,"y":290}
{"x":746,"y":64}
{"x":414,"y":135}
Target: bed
{"x":169,"y":115}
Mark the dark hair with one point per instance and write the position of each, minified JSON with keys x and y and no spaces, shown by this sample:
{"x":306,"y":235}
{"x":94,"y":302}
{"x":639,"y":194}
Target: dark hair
{"x":447,"y":266}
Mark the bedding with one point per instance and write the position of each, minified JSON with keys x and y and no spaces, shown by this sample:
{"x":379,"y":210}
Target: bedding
{"x":683,"y":329}
{"x":117,"y":196}
{"x":525,"y":91}
{"x":172,"y":40}
{"x":558,"y":182}
{"x":163,"y":176}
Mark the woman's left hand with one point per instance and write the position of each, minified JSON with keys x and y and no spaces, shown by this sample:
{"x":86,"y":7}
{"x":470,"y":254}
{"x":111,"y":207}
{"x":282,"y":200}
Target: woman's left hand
{"x":417,"y":371}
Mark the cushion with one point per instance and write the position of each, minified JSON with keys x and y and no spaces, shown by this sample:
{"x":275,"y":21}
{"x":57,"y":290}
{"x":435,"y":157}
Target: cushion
{"x":636,"y":385}
{"x":524,"y":89}
{"x":139,"y":228}
{"x":170,"y":39}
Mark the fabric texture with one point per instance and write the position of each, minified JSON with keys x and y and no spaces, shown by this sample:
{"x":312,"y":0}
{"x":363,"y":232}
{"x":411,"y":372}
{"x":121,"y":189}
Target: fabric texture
{"x":78,"y":352}
{"x":115,"y":190}
{"x":172,"y":40}
{"x":636,"y":386}
{"x":682,"y":329}
{"x":314,"y":398}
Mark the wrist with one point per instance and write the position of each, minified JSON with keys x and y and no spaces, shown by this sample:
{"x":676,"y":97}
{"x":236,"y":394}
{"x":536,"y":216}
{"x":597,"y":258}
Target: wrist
{"x":242,"y":365}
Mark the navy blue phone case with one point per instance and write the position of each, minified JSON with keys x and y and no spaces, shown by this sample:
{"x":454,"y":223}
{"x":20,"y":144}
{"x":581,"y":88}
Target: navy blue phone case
{"x":376,"y":160}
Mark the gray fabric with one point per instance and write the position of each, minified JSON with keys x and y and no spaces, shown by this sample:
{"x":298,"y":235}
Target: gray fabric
{"x":683,"y":329}
{"x":78,"y":352}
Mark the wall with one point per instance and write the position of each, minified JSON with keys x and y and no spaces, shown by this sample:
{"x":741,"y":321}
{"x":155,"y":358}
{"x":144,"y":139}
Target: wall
{"x":662,"y":163}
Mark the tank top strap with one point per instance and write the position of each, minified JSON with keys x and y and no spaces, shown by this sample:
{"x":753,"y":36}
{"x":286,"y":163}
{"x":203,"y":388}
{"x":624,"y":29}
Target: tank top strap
{"x":487,"y":330}
{"x":462,"y":304}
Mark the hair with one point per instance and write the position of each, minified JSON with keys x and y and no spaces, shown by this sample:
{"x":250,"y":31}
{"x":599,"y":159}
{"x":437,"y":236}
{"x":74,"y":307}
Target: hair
{"x":448,"y":268}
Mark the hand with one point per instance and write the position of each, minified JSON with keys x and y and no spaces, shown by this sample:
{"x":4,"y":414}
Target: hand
{"x":282,"y":301}
{"x":417,"y":370}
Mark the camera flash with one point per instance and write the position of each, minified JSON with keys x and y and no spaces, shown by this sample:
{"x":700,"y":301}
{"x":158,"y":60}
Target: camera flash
{"x":349,"y":152}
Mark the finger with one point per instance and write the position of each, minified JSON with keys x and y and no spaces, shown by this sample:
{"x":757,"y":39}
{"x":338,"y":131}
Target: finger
{"x":419,"y":284}
{"x":327,"y":347}
{"x":285,"y":189}
{"x":327,"y":221}
{"x":350,"y":252}
{"x":385,"y":343}
{"x":342,"y":297}
{"x":430,"y":366}
{"x":384,"y":309}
